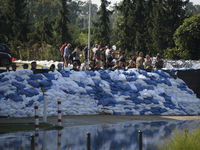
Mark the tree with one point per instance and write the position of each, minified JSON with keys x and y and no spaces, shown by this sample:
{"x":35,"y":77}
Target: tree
{"x":61,"y":28}
{"x":17,"y":21}
{"x":123,"y":27}
{"x":103,"y":23}
{"x":167,"y":17}
{"x":187,"y":38}
{"x":46,"y":30}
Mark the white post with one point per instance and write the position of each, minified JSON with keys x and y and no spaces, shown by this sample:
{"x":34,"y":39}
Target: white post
{"x":89,"y":32}
{"x":45,"y":109}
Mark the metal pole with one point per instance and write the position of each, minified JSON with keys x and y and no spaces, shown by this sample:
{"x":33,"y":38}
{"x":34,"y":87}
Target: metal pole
{"x":88,"y":141}
{"x":140,"y":140}
{"x":32,"y":142}
{"x":89,"y":31}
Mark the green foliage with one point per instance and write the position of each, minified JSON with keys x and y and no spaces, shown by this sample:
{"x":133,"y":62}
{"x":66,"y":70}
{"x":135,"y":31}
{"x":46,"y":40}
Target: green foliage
{"x":17,"y":23}
{"x":103,"y":23}
{"x":182,"y":141}
{"x":172,"y":53}
{"x":61,"y":28}
{"x":187,"y":38}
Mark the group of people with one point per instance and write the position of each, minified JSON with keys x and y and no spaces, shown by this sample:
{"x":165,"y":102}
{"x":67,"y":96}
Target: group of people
{"x":107,"y":58}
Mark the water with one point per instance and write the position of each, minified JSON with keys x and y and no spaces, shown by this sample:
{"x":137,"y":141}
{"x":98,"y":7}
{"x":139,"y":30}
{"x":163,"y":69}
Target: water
{"x":121,"y":136}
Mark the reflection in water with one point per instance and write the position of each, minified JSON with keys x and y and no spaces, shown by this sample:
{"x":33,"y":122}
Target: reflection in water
{"x":103,"y":137}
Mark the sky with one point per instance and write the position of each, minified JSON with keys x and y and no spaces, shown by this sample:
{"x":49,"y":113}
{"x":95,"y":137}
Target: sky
{"x":98,"y":2}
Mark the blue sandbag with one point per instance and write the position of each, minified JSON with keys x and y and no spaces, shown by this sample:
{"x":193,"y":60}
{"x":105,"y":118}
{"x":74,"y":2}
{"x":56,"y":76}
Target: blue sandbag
{"x":80,"y":84}
{"x":46,"y":88}
{"x":18,"y":85}
{"x":15,"y":97}
{"x":134,"y":96}
{"x":21,"y":91}
{"x":155,"y":101}
{"x":128,"y":108}
{"x":136,"y":107}
{"x":105,"y":76}
{"x":4,"y":79}
{"x":105,"y":101}
{"x":129,"y":113}
{"x":91,"y":91}
{"x":19,"y":79}
{"x":49,"y":76}
{"x":30,"y":103}
{"x":147,"y":101}
{"x":1,"y":76}
{"x":36,"y":77}
{"x":116,"y":113}
{"x":64,"y":73}
{"x":33,"y":83}
{"x":31,"y":92}
{"x":163,"y":110}
{"x":41,"y":98}
{"x":155,"y":108}
{"x":131,"y":78}
{"x":161,"y":73}
{"x":122,"y":103}
{"x":151,"y":82}
{"x":45,"y":83}
{"x":142,"y":72}
{"x":2,"y":94}
{"x":91,"y":73}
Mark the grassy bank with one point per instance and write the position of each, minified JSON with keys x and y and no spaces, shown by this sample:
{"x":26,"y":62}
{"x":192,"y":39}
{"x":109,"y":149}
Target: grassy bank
{"x":183,"y":141}
{"x":15,"y":127}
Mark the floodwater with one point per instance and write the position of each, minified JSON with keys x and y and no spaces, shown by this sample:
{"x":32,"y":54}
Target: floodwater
{"x":121,"y":136}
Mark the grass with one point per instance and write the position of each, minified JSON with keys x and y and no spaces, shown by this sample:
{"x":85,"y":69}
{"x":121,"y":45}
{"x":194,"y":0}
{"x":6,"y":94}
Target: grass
{"x":182,"y":141}
{"x":15,"y":127}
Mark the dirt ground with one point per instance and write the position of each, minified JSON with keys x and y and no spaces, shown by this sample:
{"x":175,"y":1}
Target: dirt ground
{"x":70,"y":121}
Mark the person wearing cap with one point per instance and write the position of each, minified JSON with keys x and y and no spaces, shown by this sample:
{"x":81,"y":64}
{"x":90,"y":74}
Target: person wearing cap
{"x":62,"y":49}
{"x":25,"y":66}
{"x":14,"y":67}
{"x":33,"y":65}
{"x":77,"y":56}
{"x":66,"y":54}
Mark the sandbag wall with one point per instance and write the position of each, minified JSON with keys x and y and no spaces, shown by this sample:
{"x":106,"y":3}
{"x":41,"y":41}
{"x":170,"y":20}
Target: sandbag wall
{"x":131,"y":92}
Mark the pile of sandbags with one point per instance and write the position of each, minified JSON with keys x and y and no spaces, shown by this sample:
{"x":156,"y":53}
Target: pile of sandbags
{"x":131,"y":92}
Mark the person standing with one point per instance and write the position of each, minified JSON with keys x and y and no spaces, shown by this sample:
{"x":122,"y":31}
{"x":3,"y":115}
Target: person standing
{"x":98,"y":55}
{"x":62,"y":49}
{"x":77,"y":56}
{"x":66,"y":54}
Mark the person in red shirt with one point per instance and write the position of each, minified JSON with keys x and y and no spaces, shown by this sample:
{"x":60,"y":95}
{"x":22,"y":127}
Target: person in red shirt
{"x":62,"y":51}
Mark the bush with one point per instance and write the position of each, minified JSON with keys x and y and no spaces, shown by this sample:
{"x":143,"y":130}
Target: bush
{"x":182,"y":141}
